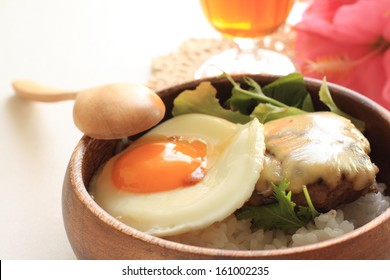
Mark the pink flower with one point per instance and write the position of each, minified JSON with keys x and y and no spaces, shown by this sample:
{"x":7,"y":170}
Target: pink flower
{"x":348,"y":41}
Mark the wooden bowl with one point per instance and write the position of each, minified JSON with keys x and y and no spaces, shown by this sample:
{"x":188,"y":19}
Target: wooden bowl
{"x":94,"y":234}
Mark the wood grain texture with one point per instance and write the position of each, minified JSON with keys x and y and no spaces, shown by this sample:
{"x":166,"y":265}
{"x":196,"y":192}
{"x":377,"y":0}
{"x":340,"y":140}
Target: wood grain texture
{"x":94,"y":234}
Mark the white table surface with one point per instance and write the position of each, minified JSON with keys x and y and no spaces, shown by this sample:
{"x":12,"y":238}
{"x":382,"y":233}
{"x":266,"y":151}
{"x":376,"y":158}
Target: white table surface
{"x":71,"y":44}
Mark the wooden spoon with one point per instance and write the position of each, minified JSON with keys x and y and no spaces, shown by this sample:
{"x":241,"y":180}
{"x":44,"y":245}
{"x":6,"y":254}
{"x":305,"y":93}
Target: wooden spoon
{"x":32,"y":90}
{"x":106,"y":112}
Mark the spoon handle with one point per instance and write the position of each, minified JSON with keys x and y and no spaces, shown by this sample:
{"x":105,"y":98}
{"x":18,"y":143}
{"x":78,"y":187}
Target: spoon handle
{"x":35,"y":91}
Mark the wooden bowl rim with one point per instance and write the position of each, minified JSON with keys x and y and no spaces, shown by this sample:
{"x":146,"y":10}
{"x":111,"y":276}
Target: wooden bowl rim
{"x":85,"y":198}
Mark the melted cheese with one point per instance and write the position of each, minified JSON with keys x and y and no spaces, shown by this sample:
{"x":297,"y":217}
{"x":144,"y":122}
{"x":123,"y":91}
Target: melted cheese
{"x":312,"y":147}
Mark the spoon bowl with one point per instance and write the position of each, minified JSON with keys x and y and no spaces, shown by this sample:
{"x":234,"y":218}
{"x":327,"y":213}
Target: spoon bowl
{"x":105,"y":112}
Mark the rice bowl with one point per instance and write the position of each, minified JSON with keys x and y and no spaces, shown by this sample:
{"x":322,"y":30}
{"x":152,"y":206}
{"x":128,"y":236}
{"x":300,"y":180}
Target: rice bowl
{"x":113,"y":239}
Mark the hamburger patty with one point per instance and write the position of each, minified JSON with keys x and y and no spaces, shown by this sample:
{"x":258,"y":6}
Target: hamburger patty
{"x":321,"y":150}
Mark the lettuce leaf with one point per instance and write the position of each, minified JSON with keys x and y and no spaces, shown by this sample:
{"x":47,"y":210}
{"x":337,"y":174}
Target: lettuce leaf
{"x":203,"y":100}
{"x":266,"y":112}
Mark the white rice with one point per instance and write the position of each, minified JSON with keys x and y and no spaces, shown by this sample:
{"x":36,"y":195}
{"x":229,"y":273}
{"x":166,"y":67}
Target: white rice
{"x":237,"y":235}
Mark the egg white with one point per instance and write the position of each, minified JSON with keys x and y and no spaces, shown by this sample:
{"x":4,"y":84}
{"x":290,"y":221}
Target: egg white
{"x":234,"y":161}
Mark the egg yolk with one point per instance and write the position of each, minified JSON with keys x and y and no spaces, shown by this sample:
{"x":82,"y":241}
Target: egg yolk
{"x":155,"y":166}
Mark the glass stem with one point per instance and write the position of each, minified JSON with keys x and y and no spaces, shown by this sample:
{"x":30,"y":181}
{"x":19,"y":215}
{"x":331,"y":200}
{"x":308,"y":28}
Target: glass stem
{"x":246,"y":48}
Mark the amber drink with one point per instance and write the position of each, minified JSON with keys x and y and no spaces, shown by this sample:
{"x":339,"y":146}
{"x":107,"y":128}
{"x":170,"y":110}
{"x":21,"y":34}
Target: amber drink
{"x":246,"y":18}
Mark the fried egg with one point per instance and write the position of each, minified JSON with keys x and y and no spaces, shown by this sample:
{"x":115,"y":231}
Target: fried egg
{"x":184,"y":174}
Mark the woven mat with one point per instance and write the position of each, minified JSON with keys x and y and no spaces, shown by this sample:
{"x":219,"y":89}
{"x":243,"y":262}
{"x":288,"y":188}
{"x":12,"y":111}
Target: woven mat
{"x":181,"y":65}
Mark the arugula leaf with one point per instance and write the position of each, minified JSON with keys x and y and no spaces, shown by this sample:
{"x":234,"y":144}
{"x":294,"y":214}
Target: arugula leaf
{"x":242,"y":99}
{"x":290,"y":90}
{"x":306,"y":214}
{"x":313,"y":211}
{"x":307,"y":104}
{"x":283,"y":97}
{"x":203,"y":100}
{"x":284,"y":214}
{"x":327,"y":99}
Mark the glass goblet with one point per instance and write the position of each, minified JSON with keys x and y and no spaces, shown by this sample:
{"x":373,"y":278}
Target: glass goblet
{"x":246,"y":22}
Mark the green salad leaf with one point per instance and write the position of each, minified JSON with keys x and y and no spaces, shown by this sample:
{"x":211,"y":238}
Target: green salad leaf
{"x":286,"y":96}
{"x":290,"y":90}
{"x":286,"y":92}
{"x":327,"y":99}
{"x":283,"y":214}
{"x":203,"y":100}
{"x":266,"y":112}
